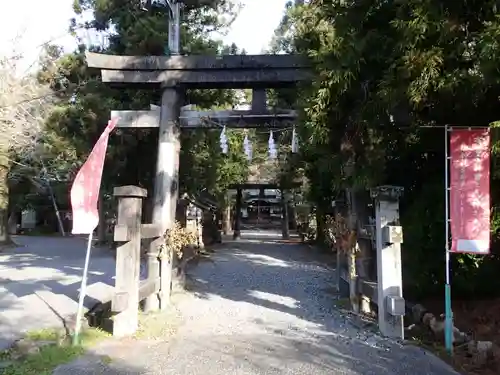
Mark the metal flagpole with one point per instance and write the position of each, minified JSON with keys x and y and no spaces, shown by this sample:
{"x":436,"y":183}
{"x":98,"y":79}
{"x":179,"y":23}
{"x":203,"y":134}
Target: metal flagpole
{"x":84,"y":196}
{"x":83,"y":287}
{"x":448,"y":332}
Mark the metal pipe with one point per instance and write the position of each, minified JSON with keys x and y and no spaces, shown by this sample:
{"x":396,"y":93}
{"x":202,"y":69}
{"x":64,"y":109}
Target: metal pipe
{"x":448,"y":311}
{"x":284,"y":115}
{"x":83,"y":289}
{"x":449,"y":127}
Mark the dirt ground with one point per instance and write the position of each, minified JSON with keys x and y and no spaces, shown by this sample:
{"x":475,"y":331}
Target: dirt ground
{"x":481,"y":319}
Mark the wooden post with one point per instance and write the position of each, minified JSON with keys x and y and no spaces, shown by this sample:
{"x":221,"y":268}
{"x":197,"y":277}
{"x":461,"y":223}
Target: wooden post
{"x":285,"y":229}
{"x":165,"y":195}
{"x":126,"y":298}
{"x":237,"y":215}
{"x":102,"y":226}
{"x":262,"y":197}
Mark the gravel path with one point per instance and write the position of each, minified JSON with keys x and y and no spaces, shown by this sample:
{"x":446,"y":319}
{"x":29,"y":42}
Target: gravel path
{"x":264,"y":307}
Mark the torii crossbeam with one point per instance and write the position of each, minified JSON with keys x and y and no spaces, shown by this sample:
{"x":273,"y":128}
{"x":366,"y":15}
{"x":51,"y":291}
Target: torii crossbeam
{"x":190,"y":119}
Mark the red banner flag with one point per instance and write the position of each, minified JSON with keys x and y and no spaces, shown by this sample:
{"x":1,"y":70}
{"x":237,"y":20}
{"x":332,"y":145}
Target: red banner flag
{"x":85,"y":190}
{"x":470,"y":191}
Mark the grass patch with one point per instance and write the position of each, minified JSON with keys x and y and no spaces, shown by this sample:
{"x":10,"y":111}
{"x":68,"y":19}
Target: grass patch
{"x":44,"y":362}
{"x":43,"y":335}
{"x":47,"y":351}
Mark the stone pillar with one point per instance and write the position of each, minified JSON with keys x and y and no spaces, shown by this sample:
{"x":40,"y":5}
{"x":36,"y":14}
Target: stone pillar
{"x":292,"y":213}
{"x":165,"y":189}
{"x":391,"y":306}
{"x":352,"y":271}
{"x":126,"y":299}
{"x":237,"y":215}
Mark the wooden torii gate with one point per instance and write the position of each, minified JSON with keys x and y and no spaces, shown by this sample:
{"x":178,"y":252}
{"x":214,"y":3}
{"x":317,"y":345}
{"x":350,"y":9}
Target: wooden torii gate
{"x":173,"y":75}
{"x":262,"y":187}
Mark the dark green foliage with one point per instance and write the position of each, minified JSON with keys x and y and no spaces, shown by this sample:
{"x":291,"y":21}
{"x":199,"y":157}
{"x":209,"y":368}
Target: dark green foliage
{"x":384,"y":69}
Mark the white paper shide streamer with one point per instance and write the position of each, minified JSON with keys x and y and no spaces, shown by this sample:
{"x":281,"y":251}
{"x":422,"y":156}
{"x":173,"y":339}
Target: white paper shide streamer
{"x":273,"y":153}
{"x":247,"y":147}
{"x":223,"y":141}
{"x":295,"y":142}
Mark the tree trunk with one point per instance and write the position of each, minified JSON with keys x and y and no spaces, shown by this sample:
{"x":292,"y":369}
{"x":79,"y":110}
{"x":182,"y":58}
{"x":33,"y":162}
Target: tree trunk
{"x":12,"y":221}
{"x":4,"y":199}
{"x":320,"y":225}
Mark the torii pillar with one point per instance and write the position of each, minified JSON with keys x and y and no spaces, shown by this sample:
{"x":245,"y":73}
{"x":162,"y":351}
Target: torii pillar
{"x":167,"y":162}
{"x":166,"y":190}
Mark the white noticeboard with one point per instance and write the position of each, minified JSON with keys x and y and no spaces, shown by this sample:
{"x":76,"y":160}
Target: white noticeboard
{"x":28,"y":219}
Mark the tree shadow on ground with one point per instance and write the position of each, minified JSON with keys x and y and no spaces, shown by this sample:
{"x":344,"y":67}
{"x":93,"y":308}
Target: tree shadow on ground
{"x":40,"y":281}
{"x":297,"y":280}
{"x":290,"y":278}
{"x":284,"y":354}
{"x":93,"y":363}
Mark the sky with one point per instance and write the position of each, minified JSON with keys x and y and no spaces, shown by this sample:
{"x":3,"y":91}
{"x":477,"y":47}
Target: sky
{"x":37,"y":22}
